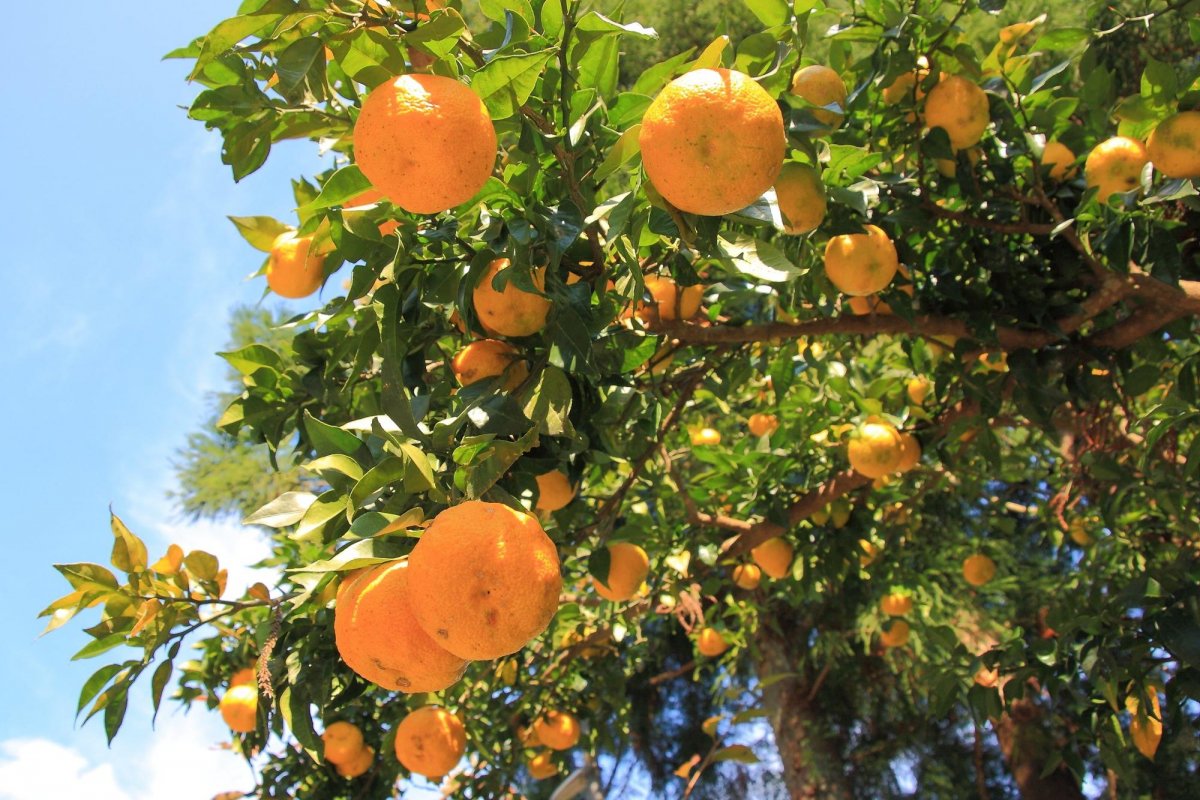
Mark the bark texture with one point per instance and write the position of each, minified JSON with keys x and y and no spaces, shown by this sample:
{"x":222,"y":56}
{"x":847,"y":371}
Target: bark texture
{"x":1025,"y":742}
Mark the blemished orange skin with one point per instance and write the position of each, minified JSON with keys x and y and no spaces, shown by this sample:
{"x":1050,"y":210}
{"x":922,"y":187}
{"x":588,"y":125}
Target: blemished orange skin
{"x":1059,"y":158}
{"x":484,"y":580}
{"x":861,"y":263}
{"x":542,"y":766}
{"x":747,"y":576}
{"x":554,"y":490}
{"x":960,"y":108}
{"x":557,"y":730}
{"x":430,"y":741}
{"x":763,"y":424}
{"x":712,"y":141}
{"x":672,"y":301}
{"x":293,"y":270}
{"x":425,"y":141}
{"x":1174,"y":145}
{"x":896,"y":605}
{"x":239,"y":708}
{"x":358,"y":764}
{"x":514,"y":311}
{"x":910,"y":452}
{"x":978,"y":569}
{"x":801,"y":198}
{"x":1115,"y":165}
{"x":711,"y":643}
{"x":896,"y":634}
{"x":876,"y":449}
{"x":628,"y":566}
{"x":821,"y":86}
{"x":488,"y":358}
{"x":378,"y":637}
{"x":342,"y":742}
{"x":774,"y":556}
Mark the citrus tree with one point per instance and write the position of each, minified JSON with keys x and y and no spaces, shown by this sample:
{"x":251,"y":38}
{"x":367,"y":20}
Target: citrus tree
{"x":842,"y":378}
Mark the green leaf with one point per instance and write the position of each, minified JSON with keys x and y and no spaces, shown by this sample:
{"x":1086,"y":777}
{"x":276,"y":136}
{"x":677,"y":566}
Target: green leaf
{"x":439,"y":36}
{"x":228,"y":33}
{"x":99,"y":646}
{"x":114,"y":713}
{"x":202,"y":565}
{"x":253,"y":357}
{"x":548,"y":403}
{"x":388,"y":471}
{"x":1159,"y":86}
{"x":93,"y":685}
{"x":128,"y":551}
{"x":158,"y":683}
{"x":418,"y":474}
{"x":599,"y":563}
{"x":342,"y":186}
{"x":287,"y":509}
{"x":326,"y":507}
{"x":507,"y":81}
{"x":260,"y":232}
{"x":758,"y":259}
{"x":329,"y":440}
{"x":770,"y":12}
{"x":595,"y":22}
{"x":736,"y":752}
{"x":625,"y":148}
{"x":363,"y":553}
{"x":295,"y":62}
{"x":87,"y":577}
{"x":1062,"y":39}
{"x":494,"y":462}
{"x":598,"y":64}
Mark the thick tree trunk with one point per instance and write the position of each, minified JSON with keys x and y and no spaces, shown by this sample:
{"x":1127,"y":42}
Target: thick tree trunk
{"x":1025,"y":743}
{"x":812,"y":764}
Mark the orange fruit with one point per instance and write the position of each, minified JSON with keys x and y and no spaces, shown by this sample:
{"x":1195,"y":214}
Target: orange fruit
{"x":484,"y":580}
{"x":960,"y":108}
{"x":896,"y":604}
{"x":425,"y":141}
{"x":554,"y":490}
{"x":910,"y":452}
{"x":875,"y":449}
{"x":862,"y":305}
{"x":488,"y":358}
{"x":948,"y":167}
{"x":747,"y":576}
{"x":1174,"y":145}
{"x":357,"y":764}
{"x":918,"y":389}
{"x":377,"y":634}
{"x":801,"y":198}
{"x":870,"y":552}
{"x":247,"y":676}
{"x":557,"y":730}
{"x":896,"y":634}
{"x":342,"y":741}
{"x":513,"y":311}
{"x":706,"y":436}
{"x":861,"y":263}
{"x":672,"y":301}
{"x":628,"y":566}
{"x":1146,"y":732}
{"x":711,"y":643}
{"x":430,"y":741}
{"x":239,"y":708}
{"x":292,"y":270}
{"x":1115,"y":165}
{"x":987,"y":678}
{"x":763,"y":424}
{"x":1059,"y":158}
{"x":774,"y":556}
{"x":821,"y":86}
{"x":712,"y":141}
{"x":978,"y":569}
{"x":542,"y":766}
{"x":907,"y":86}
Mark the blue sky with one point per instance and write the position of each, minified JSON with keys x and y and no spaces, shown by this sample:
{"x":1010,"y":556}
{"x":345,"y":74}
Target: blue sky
{"x":121,"y":271}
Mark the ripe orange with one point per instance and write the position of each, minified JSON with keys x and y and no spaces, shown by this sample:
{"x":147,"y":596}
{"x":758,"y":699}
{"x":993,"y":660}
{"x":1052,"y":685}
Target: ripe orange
{"x":896,"y":604}
{"x":247,"y":676}
{"x":554,"y":490}
{"x":1146,"y":733}
{"x":378,"y":636}
{"x":542,"y":766}
{"x":425,"y":141}
{"x":514,"y":311}
{"x":628,"y":566}
{"x":673,"y":302}
{"x":1115,"y":165}
{"x":763,"y":424}
{"x":896,"y":634}
{"x":357,"y":764}
{"x":801,"y":198}
{"x":861,"y":263}
{"x":1059,"y":158}
{"x":918,"y":389}
{"x":342,"y":740}
{"x":948,"y":167}
{"x":557,"y":730}
{"x":711,"y":643}
{"x":292,"y":270}
{"x":821,"y":86}
{"x":484,"y":579}
{"x":861,"y":305}
{"x":960,"y":108}
{"x":910,"y":452}
{"x":747,"y":576}
{"x":978,"y":569}
{"x":907,"y":86}
{"x":712,"y":141}
{"x":488,"y":358}
{"x":875,"y":449}
{"x":987,"y":678}
{"x":706,"y":436}
{"x":774,"y":556}
{"x":239,"y":708}
{"x":1174,"y":146}
{"x":430,"y":741}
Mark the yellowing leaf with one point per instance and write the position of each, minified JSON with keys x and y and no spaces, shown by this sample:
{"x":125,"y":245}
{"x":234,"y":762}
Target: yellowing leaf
{"x":259,"y":591}
{"x":679,"y":562}
{"x":147,"y":611}
{"x":685,"y":769}
{"x":171,"y":562}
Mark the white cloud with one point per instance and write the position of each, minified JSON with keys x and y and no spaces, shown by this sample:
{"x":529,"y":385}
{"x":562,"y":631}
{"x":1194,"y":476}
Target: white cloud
{"x":35,"y":769}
